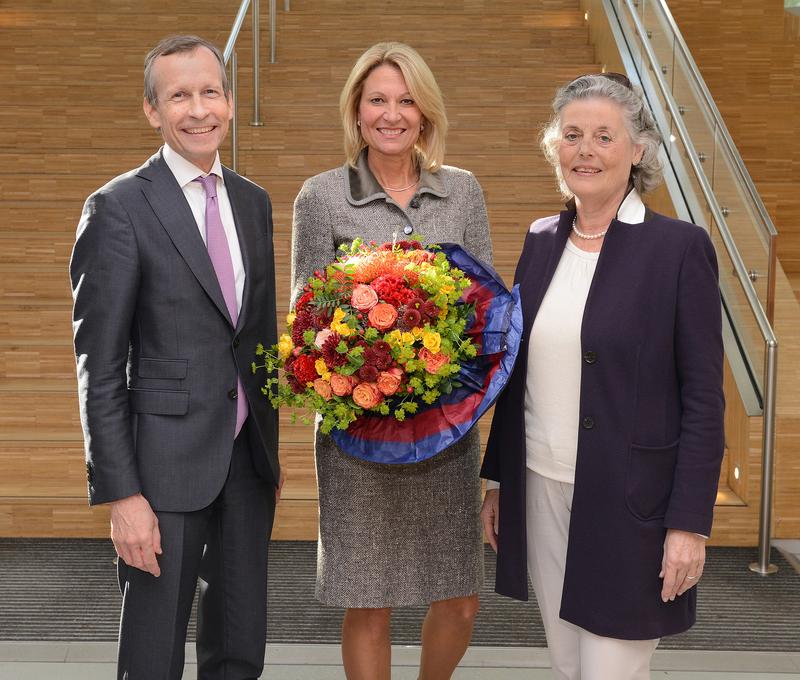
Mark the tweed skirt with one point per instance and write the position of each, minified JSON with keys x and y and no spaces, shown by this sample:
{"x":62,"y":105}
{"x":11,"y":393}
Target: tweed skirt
{"x":398,"y":535}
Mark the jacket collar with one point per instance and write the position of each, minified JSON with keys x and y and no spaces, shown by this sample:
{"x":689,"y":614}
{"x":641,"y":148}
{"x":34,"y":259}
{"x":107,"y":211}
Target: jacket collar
{"x":632,"y":210}
{"x":361,"y":186}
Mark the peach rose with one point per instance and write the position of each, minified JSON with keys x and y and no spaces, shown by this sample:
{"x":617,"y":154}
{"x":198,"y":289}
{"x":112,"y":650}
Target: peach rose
{"x":323,"y":388}
{"x":367,"y":395}
{"x":322,"y":336}
{"x":342,"y":385}
{"x":382,"y":316}
{"x":363,"y":298}
{"x":389,"y":381}
{"x":433,"y":360}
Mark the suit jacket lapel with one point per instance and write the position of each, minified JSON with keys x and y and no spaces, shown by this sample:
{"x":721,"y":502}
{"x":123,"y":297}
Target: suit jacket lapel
{"x":242,"y":220}
{"x":540,"y":266}
{"x":169,"y":204}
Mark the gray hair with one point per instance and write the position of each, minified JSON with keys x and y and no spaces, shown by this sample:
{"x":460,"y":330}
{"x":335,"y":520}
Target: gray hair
{"x":176,"y":44}
{"x":641,"y":125}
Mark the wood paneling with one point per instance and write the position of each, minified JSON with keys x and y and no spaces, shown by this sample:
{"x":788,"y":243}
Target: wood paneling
{"x":72,"y":120}
{"x":751,"y":65}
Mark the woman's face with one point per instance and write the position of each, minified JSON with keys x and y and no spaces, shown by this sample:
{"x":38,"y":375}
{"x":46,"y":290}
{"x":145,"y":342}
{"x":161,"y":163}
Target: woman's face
{"x":390,"y":119}
{"x":596,"y":152}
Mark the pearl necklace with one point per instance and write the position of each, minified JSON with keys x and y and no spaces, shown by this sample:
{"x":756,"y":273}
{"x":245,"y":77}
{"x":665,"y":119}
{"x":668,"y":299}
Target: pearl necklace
{"x":580,"y":234}
{"x":413,"y":184}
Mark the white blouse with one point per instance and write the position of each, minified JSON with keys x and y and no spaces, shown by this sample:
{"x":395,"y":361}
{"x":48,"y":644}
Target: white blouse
{"x":553,"y":385}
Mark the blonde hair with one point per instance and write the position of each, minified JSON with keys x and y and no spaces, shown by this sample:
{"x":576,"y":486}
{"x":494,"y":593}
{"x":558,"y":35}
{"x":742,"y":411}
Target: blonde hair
{"x":422,"y":87}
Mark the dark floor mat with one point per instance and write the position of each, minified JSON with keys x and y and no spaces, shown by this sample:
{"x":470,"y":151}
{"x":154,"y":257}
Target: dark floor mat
{"x":65,"y":589}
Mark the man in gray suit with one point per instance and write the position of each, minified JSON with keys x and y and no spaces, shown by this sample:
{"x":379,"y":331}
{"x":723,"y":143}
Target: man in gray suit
{"x":173,"y":284}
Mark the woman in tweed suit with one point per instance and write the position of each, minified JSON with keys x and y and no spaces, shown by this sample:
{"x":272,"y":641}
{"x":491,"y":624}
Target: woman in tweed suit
{"x":395,"y":535}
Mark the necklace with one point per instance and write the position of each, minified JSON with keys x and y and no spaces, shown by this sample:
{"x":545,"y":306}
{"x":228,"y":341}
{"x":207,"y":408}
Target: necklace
{"x":413,"y":184}
{"x":580,"y":234}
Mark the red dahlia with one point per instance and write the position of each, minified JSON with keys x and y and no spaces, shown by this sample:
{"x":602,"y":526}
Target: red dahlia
{"x":368,"y":373}
{"x":329,"y":353}
{"x":411,"y":318}
{"x":302,"y":322}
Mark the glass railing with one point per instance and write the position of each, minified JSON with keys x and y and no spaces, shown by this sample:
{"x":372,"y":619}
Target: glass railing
{"x":718,"y":194}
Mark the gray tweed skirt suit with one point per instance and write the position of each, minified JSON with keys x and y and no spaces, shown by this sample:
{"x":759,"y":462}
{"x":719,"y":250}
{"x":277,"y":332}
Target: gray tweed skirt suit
{"x":393,"y":535}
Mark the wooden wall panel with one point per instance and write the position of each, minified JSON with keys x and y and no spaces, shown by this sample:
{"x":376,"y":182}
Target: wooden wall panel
{"x":751,"y":65}
{"x":73,"y":120}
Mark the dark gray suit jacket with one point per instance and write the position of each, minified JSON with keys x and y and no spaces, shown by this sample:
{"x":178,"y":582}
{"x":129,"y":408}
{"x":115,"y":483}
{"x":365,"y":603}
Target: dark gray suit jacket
{"x":157,"y":356}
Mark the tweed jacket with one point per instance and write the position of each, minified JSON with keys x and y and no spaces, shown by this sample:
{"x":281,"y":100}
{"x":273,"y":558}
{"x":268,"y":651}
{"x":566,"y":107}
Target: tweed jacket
{"x":650,"y":438}
{"x":339,"y":205}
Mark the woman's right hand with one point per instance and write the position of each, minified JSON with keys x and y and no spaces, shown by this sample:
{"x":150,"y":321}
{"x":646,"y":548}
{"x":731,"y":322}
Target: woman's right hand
{"x":490,"y":516}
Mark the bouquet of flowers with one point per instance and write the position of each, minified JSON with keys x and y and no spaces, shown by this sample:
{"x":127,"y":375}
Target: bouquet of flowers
{"x":382,"y":341}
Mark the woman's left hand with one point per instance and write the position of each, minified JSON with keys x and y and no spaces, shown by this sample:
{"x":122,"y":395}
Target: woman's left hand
{"x":682,"y":564}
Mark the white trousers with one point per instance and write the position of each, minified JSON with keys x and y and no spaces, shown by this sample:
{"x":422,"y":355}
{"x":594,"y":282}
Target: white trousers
{"x":575,"y":653}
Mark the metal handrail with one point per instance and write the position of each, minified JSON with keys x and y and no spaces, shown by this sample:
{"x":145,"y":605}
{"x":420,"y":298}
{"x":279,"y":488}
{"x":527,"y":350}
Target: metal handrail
{"x":771,"y":355}
{"x":229,"y":56}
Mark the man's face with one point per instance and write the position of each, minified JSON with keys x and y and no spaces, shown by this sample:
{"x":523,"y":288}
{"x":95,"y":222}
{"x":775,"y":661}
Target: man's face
{"x":191,"y":110}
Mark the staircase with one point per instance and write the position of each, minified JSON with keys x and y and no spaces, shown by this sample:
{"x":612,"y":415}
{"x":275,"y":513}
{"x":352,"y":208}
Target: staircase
{"x":72,"y":120}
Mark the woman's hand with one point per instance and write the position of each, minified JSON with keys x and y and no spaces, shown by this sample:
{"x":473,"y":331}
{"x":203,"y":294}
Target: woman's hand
{"x":490,"y":516}
{"x":682,"y":564}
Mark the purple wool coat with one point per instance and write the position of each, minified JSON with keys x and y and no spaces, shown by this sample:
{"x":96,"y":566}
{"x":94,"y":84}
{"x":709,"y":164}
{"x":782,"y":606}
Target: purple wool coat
{"x":650,"y":439}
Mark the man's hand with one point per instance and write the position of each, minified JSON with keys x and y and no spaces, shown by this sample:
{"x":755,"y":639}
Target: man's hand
{"x":135,"y":534}
{"x":682,"y":564}
{"x":490,"y":516}
{"x":279,"y":488}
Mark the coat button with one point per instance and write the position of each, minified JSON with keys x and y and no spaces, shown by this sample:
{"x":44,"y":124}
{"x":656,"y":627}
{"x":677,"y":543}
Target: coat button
{"x":590,"y":357}
{"x":236,"y":341}
{"x":233,"y":394}
{"x":408,"y":229}
{"x":587,"y":423}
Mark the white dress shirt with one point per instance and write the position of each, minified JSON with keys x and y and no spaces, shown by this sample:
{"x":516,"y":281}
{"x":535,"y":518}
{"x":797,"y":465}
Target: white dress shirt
{"x":185,"y":173}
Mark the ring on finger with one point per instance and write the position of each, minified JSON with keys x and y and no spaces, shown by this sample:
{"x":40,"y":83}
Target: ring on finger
{"x":690,"y":578}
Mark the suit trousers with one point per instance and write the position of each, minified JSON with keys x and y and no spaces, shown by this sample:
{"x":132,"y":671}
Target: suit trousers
{"x":575,"y":653}
{"x":223,"y":549}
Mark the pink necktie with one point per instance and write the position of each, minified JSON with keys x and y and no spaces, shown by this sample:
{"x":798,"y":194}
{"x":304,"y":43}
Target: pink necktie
{"x":220,"y":255}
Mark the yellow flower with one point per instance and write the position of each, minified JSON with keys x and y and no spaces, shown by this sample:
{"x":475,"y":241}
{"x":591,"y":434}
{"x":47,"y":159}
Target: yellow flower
{"x":322,"y":369}
{"x":417,"y":332}
{"x":290,"y":317}
{"x":285,"y":346}
{"x":447,"y":288}
{"x":432,"y":341}
{"x":337,"y":325}
{"x":408,"y":338}
{"x":394,"y":338}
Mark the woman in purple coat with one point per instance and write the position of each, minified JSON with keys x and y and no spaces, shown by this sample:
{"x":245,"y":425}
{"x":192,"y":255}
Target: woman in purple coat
{"x":605,"y":448}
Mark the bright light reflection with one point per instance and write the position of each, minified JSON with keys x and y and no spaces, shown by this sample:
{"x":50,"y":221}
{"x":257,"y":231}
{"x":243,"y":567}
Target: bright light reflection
{"x":736,"y":472}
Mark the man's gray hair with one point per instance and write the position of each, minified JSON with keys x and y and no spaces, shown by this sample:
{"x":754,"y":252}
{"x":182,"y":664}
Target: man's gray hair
{"x":176,"y":44}
{"x":641,"y":125}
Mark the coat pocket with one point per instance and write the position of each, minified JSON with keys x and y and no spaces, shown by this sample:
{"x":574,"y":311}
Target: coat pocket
{"x":158,"y":402}
{"x":648,"y":484}
{"x":162,"y":369}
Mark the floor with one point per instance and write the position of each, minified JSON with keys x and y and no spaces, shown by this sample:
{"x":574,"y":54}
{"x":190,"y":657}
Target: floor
{"x":95,"y":660}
